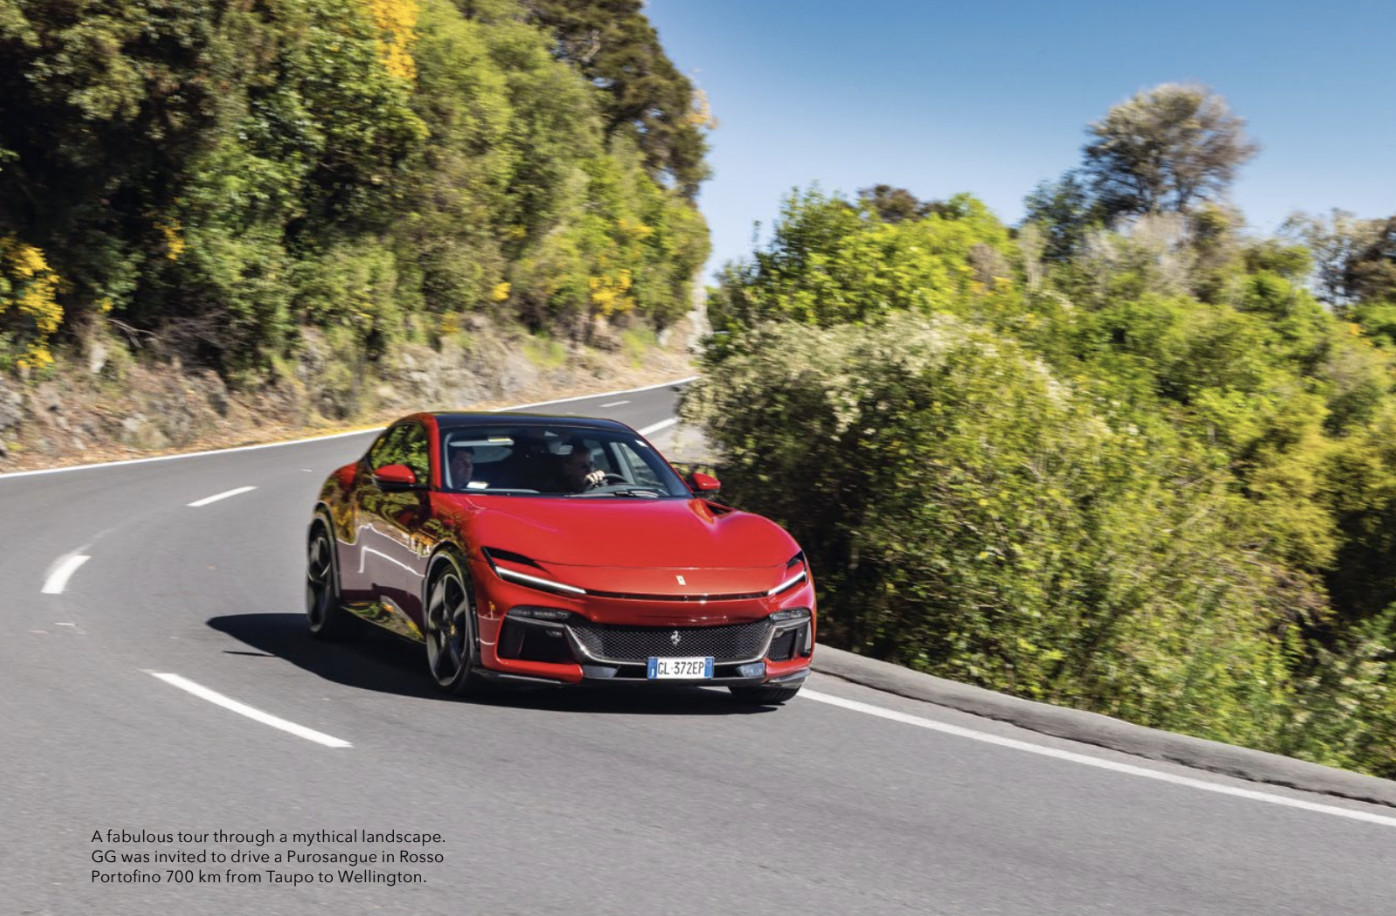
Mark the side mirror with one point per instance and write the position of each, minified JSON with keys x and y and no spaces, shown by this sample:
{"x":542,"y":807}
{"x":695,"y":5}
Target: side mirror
{"x":704,"y":484}
{"x":395,"y":477}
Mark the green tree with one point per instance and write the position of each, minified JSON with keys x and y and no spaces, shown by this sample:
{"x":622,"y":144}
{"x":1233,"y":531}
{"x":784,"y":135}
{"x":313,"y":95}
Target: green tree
{"x":215,"y":175}
{"x":1150,"y":478}
{"x":1167,"y":148}
{"x":1335,"y":242}
{"x":1065,"y":211}
{"x":969,"y":514}
{"x":100,"y":110}
{"x":616,"y":48}
{"x":1371,"y":272}
{"x":892,"y":205}
{"x":830,"y":262}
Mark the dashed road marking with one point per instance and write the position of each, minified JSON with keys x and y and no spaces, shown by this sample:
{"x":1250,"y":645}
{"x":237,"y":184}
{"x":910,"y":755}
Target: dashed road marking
{"x":217,"y":496}
{"x":58,"y":578}
{"x":250,"y":712}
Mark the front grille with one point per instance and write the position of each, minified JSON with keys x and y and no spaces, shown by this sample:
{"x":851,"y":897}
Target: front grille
{"x":726,"y":643}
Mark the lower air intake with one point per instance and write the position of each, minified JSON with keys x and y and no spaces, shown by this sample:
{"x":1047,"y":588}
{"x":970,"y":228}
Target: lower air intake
{"x":626,"y":644}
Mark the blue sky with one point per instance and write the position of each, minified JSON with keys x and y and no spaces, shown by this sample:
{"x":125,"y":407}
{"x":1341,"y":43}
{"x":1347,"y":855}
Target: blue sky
{"x":992,"y":97}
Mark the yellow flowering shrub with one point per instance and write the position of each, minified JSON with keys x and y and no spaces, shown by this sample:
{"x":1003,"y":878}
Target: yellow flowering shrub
{"x":29,"y":309}
{"x":172,"y":233}
{"x":610,"y":292}
{"x":396,"y":19}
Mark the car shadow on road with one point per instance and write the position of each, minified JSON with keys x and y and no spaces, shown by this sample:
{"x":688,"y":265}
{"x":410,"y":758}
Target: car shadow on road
{"x":371,"y":659}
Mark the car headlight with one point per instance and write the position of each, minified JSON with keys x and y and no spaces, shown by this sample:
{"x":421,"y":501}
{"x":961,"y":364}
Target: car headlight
{"x":798,"y":560}
{"x":522,"y":578}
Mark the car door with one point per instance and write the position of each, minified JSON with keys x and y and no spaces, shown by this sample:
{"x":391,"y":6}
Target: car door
{"x":355,"y":582}
{"x":393,"y":549}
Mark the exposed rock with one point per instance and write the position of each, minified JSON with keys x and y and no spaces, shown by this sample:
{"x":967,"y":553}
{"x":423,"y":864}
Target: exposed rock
{"x":97,"y":354}
{"x":420,"y":378}
{"x":138,"y":430}
{"x":517,"y":374}
{"x":11,"y":407}
{"x":77,"y":416}
{"x":604,"y":336}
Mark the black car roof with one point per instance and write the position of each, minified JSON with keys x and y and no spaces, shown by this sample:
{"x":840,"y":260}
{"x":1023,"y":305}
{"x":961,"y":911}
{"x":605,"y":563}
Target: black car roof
{"x":457,"y":420}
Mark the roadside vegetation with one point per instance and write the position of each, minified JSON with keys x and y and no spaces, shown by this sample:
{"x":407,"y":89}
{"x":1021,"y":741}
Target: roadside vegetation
{"x":216,"y":183}
{"x":1123,"y":457}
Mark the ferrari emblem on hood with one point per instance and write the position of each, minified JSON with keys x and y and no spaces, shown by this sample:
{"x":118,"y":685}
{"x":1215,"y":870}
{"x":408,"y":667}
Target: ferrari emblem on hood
{"x":680,"y":578}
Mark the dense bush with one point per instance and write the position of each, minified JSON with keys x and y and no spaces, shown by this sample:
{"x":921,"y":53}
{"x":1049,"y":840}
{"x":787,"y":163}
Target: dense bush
{"x":1075,"y":479}
{"x":972,"y":515}
{"x":218,"y":175}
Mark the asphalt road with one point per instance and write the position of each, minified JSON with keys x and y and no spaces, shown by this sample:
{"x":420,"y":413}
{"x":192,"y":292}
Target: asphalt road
{"x":678,"y":802}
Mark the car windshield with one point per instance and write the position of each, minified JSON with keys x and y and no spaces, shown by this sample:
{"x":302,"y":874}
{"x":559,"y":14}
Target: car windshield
{"x":561,"y":460}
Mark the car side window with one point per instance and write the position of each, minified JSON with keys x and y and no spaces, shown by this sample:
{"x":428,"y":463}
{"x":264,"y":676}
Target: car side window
{"x":380,"y":448}
{"x":406,"y":444}
{"x":416,"y":452}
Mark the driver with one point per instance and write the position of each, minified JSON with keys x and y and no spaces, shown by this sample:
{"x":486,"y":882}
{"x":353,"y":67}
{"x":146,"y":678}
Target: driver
{"x":577,"y":473}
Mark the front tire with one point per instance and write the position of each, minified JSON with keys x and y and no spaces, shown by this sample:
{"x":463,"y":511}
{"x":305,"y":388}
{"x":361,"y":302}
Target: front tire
{"x":764,"y":695}
{"x":324,"y":614}
{"x":449,"y":616}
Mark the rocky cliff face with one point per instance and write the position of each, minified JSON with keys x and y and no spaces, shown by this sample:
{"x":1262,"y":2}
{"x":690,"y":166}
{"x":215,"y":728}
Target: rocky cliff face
{"x":102,"y":404}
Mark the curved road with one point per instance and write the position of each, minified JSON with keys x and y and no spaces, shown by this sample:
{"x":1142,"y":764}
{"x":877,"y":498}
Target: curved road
{"x":546,"y":802}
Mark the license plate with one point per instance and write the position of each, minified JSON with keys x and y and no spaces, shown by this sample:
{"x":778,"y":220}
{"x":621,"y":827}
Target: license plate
{"x":694,"y":668}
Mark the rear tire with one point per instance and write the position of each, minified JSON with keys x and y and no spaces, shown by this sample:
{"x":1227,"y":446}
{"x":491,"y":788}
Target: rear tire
{"x":324,"y":614}
{"x":765,"y":695}
{"x":449,"y":618}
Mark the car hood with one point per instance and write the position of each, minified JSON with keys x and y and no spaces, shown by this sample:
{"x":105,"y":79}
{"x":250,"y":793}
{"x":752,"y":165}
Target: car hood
{"x":635,"y":533}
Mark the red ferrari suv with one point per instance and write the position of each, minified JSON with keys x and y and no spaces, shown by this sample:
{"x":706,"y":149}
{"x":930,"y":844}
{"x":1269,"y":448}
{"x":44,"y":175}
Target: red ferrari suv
{"x":557,"y":550}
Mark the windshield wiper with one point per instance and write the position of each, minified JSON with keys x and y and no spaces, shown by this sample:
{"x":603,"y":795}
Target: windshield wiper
{"x":645,"y":492}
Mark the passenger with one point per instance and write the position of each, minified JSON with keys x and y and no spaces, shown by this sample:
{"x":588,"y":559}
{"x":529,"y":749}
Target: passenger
{"x":462,"y":466}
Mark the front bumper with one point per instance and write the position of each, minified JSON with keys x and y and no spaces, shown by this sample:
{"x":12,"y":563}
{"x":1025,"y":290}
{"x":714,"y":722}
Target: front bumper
{"x":575,"y":649}
{"x":536,"y":634}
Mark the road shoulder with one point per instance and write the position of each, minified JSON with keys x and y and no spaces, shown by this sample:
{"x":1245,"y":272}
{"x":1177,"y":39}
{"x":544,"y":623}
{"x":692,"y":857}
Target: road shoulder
{"x":1103,"y":731}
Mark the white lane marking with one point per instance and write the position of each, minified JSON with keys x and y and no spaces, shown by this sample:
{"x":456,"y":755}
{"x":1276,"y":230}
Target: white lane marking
{"x":1074,"y":757}
{"x":217,"y":496}
{"x":243,"y":709}
{"x":602,"y":394}
{"x":58,"y":577}
{"x":615,"y":403}
{"x":355,"y":432}
{"x":212,"y":451}
{"x":656,"y":427}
